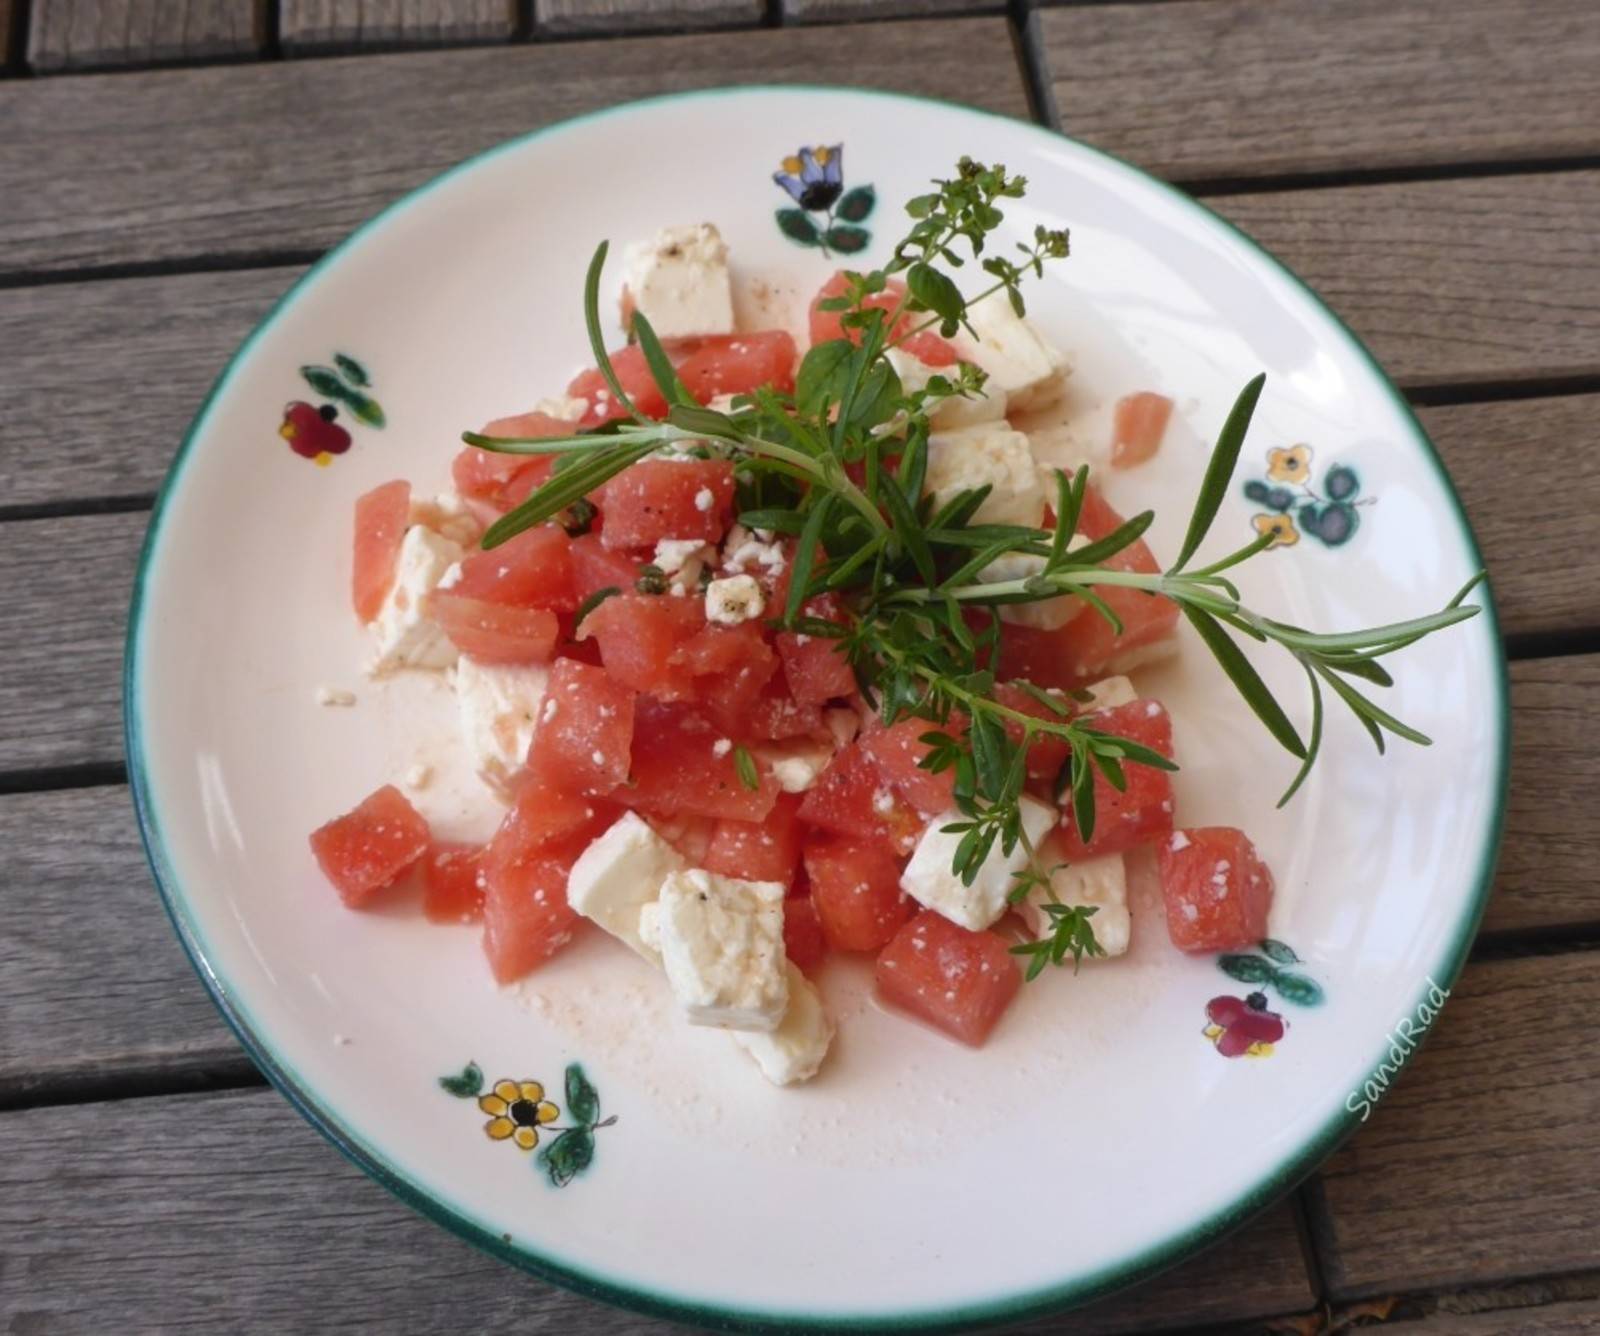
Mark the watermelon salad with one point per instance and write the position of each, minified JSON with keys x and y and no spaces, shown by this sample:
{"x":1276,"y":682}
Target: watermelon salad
{"x":715,"y":792}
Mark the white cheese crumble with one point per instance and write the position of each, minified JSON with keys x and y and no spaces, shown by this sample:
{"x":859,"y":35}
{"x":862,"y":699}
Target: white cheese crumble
{"x":679,"y":280}
{"x":337,"y":696}
{"x":796,"y":765}
{"x":743,"y":550}
{"x":419,"y":776}
{"x":991,"y":455}
{"x":620,"y":873}
{"x":704,"y":499}
{"x":1017,"y":358}
{"x":681,"y":560}
{"x":1098,"y":882}
{"x":795,"y":1050}
{"x":1179,"y":842}
{"x":448,"y":516}
{"x":721,"y":943}
{"x":406,"y":638}
{"x":733,"y":600}
{"x":930,"y":880}
{"x":1108,"y":693}
{"x":499,"y":710}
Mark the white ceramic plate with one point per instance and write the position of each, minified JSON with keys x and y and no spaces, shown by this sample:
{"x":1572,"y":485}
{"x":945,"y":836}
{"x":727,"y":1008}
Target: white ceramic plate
{"x":1101,"y":1135}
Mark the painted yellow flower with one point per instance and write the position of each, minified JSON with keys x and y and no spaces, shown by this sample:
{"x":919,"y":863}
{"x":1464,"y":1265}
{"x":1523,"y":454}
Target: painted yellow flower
{"x":517,"y":1109}
{"x":1281,"y":527}
{"x":1292,"y":465}
{"x":1259,"y":1049}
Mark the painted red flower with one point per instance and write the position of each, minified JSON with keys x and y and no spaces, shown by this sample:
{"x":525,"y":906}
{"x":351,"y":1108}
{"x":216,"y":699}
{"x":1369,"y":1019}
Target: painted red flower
{"x":1243,"y":1027}
{"x":312,"y":432}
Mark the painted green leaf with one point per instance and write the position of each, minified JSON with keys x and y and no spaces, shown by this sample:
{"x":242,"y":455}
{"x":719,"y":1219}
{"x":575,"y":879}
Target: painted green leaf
{"x":857,"y":204}
{"x":568,"y":1155}
{"x":583,"y":1101}
{"x":797,"y":226}
{"x":468,"y":1085}
{"x":325,"y":381}
{"x":1341,"y":483}
{"x":1282,"y":952}
{"x":1246,"y":969}
{"x":849,"y":240}
{"x":364,"y":407}
{"x":353,"y":371}
{"x":1298,"y":989}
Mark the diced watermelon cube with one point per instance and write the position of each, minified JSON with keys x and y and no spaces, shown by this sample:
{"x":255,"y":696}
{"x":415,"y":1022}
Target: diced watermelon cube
{"x":682,"y":763}
{"x":898,"y":751}
{"x":1137,"y":426}
{"x":532,"y":570}
{"x":639,"y":637}
{"x":689,"y":834}
{"x":739,"y":364}
{"x":855,"y":886}
{"x":728,"y":664}
{"x":1217,"y":890}
{"x":927,"y":345}
{"x":815,"y":667}
{"x":803,"y":941}
{"x":494,"y":632}
{"x":585,"y":732}
{"x":633,"y":372}
{"x":666,"y":498}
{"x":381,"y":518}
{"x":596,"y":566}
{"x":1046,"y":755}
{"x":765,"y":850}
{"x":487,"y":475}
{"x":851,"y":797}
{"x":771,"y":717}
{"x":526,"y":917}
{"x":452,"y":883}
{"x":958,"y":981}
{"x":544,"y":815}
{"x":371,"y":847}
{"x":1143,"y":810}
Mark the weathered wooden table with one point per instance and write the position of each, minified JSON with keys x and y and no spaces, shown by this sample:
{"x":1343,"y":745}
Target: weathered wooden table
{"x":168,"y":167}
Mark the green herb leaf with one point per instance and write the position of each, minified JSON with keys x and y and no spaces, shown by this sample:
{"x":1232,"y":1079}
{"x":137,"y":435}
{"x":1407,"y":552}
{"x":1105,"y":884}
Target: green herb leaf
{"x":805,"y":552}
{"x":597,"y":342}
{"x":745,"y":764}
{"x":1219,"y":472}
{"x":592,"y":602}
{"x":661,"y":368}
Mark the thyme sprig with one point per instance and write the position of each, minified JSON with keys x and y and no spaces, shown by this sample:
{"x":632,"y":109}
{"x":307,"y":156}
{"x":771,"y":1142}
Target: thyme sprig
{"x":840,"y":464}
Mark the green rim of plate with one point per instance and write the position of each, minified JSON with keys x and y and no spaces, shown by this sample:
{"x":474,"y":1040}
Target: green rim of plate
{"x":1004,"y":1309}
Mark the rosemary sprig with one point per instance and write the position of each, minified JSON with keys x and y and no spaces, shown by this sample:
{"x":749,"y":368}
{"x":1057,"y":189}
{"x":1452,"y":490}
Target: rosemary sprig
{"x":839,"y":465}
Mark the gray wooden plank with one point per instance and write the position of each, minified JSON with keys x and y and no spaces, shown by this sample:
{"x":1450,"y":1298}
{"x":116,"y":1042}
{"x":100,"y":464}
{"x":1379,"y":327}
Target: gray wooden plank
{"x":114,"y":370}
{"x":60,"y":693}
{"x":1574,"y":1317}
{"x":1530,"y":479}
{"x":1449,"y":281}
{"x":563,"y":17}
{"x":347,"y":25}
{"x":1483,"y":1162}
{"x":1547,"y":875}
{"x":226,"y":1212}
{"x":1211,"y":89}
{"x":267,"y":164}
{"x":95,"y":983}
{"x":90,"y":34}
{"x":848,"y":11}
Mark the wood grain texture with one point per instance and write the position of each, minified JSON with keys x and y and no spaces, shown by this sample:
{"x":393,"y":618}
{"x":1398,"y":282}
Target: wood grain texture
{"x":91,"y":34}
{"x":1483,"y":1162}
{"x":60,"y":693}
{"x":849,"y":11}
{"x":267,"y":166}
{"x":6,"y":19}
{"x":352,"y":25}
{"x":262,"y":1224}
{"x":1449,"y":281}
{"x":1529,"y":476}
{"x":561,"y":17}
{"x":1548,"y":861}
{"x":123,"y":364}
{"x":94,"y":981}
{"x":1236,"y":88}
{"x":1577,"y":1317}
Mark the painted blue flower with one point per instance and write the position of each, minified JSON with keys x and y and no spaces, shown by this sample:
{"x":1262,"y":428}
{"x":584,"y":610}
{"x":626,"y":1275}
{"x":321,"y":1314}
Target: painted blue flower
{"x":814,"y":177}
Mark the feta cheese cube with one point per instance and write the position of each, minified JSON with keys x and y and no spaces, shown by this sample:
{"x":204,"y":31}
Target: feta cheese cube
{"x":1046,"y":614}
{"x":956,"y":411}
{"x":618,"y":874}
{"x":405,"y":637}
{"x":1143,"y":656}
{"x":733,"y":600}
{"x":1108,"y":693}
{"x":721,"y":942}
{"x":795,"y":1050}
{"x":449,"y":516}
{"x":1016,"y":356}
{"x":989,"y":454}
{"x":679,"y":280}
{"x":931,"y":882}
{"x":1100,"y":882}
{"x":499,"y":708}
